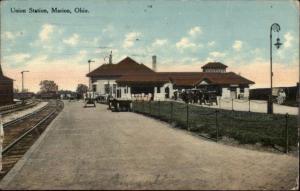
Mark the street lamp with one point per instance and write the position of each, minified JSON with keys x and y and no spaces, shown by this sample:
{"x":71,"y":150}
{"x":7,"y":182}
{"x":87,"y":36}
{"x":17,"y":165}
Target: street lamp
{"x":275,"y":28}
{"x":22,"y":72}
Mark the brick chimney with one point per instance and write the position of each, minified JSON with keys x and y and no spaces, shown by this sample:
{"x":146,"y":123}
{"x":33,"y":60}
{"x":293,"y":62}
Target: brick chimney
{"x":154,"y":63}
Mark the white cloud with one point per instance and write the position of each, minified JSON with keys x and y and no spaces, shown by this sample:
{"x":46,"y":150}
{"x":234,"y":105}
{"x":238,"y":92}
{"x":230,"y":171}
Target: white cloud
{"x":108,"y":29}
{"x":288,"y":39}
{"x":185,"y":43}
{"x":11,"y":35}
{"x":211,"y":43}
{"x":189,"y":42}
{"x":286,"y":51}
{"x":95,"y":41}
{"x":195,"y":31}
{"x":237,"y":45}
{"x":130,"y":38}
{"x":217,"y":54}
{"x":17,"y":58}
{"x":72,"y":41}
{"x":82,"y":53}
{"x":160,"y":42}
{"x":46,"y":31}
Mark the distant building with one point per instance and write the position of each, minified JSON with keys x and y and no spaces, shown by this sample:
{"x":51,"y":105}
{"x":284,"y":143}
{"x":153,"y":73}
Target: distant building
{"x":128,"y":78}
{"x":6,"y":89}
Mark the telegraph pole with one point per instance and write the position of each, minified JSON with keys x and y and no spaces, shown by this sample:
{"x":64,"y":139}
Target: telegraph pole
{"x":89,"y":61}
{"x":22,"y":72}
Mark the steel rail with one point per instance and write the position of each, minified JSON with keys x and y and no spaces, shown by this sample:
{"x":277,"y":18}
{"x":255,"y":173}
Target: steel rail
{"x":5,"y":125}
{"x":27,"y":132}
{"x":18,"y":108}
{"x":8,"y":107}
{"x":16,"y":105}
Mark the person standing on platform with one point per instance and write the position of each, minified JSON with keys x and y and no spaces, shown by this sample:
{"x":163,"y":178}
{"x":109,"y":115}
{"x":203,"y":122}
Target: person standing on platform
{"x":1,"y":140}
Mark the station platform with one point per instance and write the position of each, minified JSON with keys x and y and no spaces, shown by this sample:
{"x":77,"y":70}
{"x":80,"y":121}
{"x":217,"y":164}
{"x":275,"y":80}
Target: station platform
{"x":94,"y":148}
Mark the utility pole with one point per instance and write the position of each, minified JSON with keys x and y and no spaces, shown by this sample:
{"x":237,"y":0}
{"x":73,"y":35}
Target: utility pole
{"x":22,"y":72}
{"x":90,"y":81}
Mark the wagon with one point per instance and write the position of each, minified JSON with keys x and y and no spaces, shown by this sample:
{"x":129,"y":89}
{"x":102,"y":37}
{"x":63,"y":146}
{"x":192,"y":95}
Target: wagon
{"x":89,"y":99}
{"x":115,"y":104}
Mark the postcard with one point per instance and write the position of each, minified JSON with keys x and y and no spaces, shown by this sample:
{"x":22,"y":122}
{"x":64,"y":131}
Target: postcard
{"x":152,"y":94}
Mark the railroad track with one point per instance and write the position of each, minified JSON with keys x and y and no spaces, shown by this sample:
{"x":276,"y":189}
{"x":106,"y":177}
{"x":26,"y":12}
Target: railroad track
{"x":17,"y":107}
{"x":20,"y":135}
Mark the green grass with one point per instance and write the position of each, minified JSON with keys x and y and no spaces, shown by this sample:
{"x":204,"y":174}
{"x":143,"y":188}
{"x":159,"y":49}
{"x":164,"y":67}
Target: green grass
{"x":245,"y":127}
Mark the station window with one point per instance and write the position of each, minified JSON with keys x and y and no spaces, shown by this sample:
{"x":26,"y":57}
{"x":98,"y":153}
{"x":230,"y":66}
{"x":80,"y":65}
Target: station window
{"x":94,"y":88}
{"x":114,"y":88}
{"x":106,"y":87}
{"x":242,"y":89}
{"x":158,"y":89}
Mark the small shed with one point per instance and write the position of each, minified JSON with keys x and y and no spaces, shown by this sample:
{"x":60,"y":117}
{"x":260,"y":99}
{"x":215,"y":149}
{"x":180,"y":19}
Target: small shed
{"x":6,"y":89}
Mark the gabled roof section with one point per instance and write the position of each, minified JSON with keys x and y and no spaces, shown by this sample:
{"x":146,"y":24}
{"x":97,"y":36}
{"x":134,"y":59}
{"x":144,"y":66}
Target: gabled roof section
{"x":226,"y":78}
{"x":126,"y":66}
{"x":185,"y":78}
{"x":1,"y":73}
{"x":213,"y":78}
{"x":214,"y":65}
{"x":2,"y":77}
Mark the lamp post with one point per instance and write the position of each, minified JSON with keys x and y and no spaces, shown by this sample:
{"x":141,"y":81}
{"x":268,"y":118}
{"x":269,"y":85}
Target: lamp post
{"x":89,"y":61}
{"x":22,"y":72}
{"x":275,"y":28}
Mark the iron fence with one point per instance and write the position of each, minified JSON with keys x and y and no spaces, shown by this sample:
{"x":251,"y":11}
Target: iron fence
{"x":245,"y":127}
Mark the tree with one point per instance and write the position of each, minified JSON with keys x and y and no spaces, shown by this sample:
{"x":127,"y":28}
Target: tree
{"x":81,"y":89}
{"x":48,"y":86}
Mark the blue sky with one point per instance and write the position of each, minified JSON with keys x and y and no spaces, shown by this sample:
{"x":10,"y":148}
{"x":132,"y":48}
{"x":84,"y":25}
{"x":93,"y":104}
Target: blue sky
{"x":183,"y":34}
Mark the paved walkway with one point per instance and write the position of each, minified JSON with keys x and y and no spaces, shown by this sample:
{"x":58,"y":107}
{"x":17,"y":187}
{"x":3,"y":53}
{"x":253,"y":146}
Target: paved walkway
{"x":255,"y":106}
{"x":94,"y":148}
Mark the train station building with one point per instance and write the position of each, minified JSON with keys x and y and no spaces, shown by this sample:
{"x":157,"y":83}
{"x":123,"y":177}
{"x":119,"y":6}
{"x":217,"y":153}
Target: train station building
{"x":127,"y":79}
{"x":6,"y":89}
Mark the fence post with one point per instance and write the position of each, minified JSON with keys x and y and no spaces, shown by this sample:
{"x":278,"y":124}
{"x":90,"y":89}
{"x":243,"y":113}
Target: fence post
{"x":133,"y":102}
{"x":158,"y":108}
{"x":187,"y":115}
{"x":286,"y":133}
{"x":220,"y":102}
{"x":232,"y":104}
{"x":143,"y":106}
{"x":249,"y":104}
{"x":217,"y":125}
{"x":149,"y":107}
{"x":171,"y":112}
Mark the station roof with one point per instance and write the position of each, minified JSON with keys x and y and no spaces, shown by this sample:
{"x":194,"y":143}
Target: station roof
{"x":124,"y":67}
{"x":2,"y":77}
{"x":153,"y":78}
{"x":214,"y":65}
{"x":185,"y":78}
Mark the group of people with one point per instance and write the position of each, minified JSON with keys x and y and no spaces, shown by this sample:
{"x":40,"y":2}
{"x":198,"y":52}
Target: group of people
{"x":197,"y":96}
{"x":142,"y":97}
